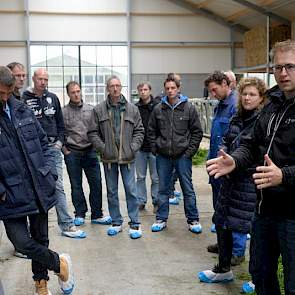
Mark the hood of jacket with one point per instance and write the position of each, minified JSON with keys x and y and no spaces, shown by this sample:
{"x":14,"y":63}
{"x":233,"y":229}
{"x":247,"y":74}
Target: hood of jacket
{"x":182,"y":98}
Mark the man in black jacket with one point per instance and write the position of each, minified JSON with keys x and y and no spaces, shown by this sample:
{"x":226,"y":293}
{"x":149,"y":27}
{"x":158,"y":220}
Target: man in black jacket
{"x":47,"y":110}
{"x":27,"y":186}
{"x":144,"y":157}
{"x":175,"y":134}
{"x":271,"y":147}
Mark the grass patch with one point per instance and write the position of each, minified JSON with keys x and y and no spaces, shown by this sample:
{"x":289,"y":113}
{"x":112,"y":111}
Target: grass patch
{"x":200,"y":157}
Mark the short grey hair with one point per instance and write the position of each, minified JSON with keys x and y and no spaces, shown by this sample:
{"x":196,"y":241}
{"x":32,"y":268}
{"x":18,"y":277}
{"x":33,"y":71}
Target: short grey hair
{"x":288,"y":45}
{"x":6,"y":77}
{"x":113,"y":77}
{"x":15,"y":64}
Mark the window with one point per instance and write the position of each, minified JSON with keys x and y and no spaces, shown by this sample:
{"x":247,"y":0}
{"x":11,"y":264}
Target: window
{"x":90,"y":65}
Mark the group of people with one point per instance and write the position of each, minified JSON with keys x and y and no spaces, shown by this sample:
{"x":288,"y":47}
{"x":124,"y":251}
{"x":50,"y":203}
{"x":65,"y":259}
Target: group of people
{"x":250,"y":165}
{"x":255,"y":169}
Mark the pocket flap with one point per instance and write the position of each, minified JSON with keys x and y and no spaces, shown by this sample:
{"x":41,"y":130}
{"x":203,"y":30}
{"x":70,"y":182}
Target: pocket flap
{"x":44,"y":170}
{"x":16,"y":179}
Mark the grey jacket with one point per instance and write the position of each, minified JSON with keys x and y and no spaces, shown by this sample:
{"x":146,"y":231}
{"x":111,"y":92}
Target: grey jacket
{"x":76,"y":120}
{"x":101,"y":134}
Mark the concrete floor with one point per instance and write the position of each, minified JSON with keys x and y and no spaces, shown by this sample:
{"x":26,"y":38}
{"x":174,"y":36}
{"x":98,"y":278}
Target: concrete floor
{"x":157,"y":264}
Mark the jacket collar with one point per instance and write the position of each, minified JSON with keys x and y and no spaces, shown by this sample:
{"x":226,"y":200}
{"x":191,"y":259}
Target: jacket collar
{"x":229,"y":98}
{"x":74,"y":105}
{"x":140,"y":103}
{"x":122,"y":101}
{"x":182,"y":99}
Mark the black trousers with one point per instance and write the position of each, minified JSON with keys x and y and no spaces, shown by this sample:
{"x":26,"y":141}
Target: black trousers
{"x":33,"y":241}
{"x":225,"y":247}
{"x":270,"y":238}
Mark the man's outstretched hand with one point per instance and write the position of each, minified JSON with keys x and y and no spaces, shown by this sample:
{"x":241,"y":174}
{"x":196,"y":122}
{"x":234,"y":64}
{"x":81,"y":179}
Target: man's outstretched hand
{"x":221,"y":165}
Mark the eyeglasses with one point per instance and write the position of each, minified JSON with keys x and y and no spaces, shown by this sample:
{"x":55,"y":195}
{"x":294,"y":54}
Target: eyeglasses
{"x":249,"y":94}
{"x":115,"y":86}
{"x":290,"y":68}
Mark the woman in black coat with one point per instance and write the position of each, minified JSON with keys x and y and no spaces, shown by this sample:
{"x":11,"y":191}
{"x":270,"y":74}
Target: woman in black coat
{"x":237,"y":197}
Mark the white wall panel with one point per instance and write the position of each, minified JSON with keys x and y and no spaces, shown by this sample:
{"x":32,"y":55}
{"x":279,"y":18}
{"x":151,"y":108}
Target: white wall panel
{"x":182,"y":28}
{"x":12,"y":5}
{"x":156,"y":6}
{"x":179,"y":60}
{"x":78,"y":28}
{"x":10,"y":54}
{"x":78,"y":5}
{"x":12,"y":27}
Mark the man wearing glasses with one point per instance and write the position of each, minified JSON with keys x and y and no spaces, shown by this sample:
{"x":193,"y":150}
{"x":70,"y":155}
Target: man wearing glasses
{"x":116,"y":131}
{"x":272,"y":147}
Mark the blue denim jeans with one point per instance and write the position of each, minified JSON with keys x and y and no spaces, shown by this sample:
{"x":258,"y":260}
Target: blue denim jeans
{"x":239,"y":243}
{"x":63,"y":217}
{"x":142,"y":161}
{"x":173,"y":181}
{"x":33,"y":241}
{"x":111,"y":172}
{"x":183,"y":167}
{"x":270,"y":238}
{"x":76,"y":162}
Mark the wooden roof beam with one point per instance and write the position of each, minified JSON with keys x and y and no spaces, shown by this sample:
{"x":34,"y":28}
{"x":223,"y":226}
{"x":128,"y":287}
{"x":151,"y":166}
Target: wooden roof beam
{"x":246,"y":11}
{"x":209,"y":14}
{"x":263,"y":11}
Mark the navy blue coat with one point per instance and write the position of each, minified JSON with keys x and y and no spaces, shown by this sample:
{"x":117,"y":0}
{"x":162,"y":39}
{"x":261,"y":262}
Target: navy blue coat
{"x":27,"y":168}
{"x":237,"y":195}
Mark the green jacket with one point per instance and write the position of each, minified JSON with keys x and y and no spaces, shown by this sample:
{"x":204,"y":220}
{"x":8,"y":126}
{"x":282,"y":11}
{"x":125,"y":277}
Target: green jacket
{"x":101,"y":133}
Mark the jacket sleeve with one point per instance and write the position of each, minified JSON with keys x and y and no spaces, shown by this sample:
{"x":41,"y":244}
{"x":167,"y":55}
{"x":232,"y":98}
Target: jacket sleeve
{"x":93,"y":132}
{"x":138,"y":132}
{"x":195,"y":131}
{"x":244,"y":154}
{"x":288,"y":176}
{"x":60,"y":126}
{"x":49,"y":158}
{"x":2,"y":188}
{"x":152,"y":131}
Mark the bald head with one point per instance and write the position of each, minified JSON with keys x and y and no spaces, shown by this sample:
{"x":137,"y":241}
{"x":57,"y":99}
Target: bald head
{"x":40,"y":80}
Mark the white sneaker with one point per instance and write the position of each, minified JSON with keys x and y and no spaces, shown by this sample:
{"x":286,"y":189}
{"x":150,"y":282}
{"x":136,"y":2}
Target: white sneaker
{"x":135,"y":232}
{"x":102,"y":220}
{"x":114,"y":230}
{"x":211,"y":276}
{"x":74,"y":233}
{"x":66,"y":266}
{"x":195,"y":227}
{"x":159,"y":225}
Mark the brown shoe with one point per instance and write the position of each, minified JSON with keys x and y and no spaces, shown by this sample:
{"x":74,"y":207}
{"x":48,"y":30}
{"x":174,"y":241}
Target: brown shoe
{"x":66,"y":276}
{"x":237,"y":260}
{"x":213,"y":248}
{"x":64,"y":269}
{"x":41,"y":288}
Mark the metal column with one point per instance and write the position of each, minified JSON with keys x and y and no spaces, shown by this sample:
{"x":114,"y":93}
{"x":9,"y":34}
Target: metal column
{"x":28,"y":40}
{"x":129,"y":79}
